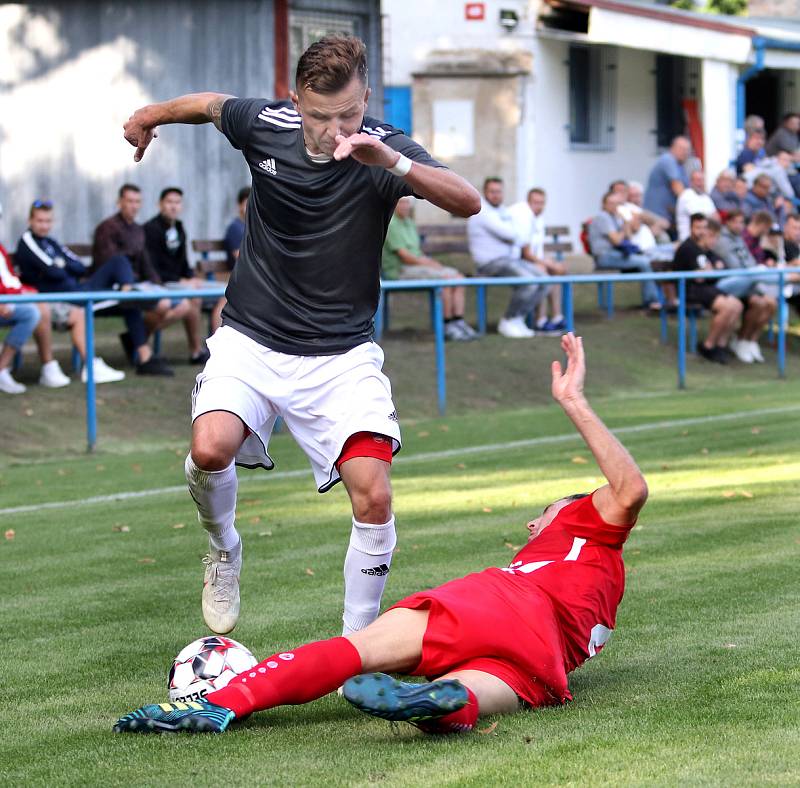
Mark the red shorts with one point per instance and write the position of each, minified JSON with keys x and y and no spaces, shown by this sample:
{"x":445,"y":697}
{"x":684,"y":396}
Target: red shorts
{"x":366,"y":444}
{"x":494,"y":622}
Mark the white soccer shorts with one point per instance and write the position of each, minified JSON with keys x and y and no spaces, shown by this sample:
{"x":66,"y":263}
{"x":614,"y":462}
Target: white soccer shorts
{"x":322,"y":399}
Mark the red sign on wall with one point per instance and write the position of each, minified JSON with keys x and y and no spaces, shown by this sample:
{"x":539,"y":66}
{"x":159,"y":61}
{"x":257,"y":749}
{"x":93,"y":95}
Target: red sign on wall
{"x":474,"y":11}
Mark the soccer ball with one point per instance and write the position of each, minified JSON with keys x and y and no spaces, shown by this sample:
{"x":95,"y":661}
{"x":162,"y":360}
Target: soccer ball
{"x":206,"y":665}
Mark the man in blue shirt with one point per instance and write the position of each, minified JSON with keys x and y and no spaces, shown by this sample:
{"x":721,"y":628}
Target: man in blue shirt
{"x":235,"y":231}
{"x":667,"y":180}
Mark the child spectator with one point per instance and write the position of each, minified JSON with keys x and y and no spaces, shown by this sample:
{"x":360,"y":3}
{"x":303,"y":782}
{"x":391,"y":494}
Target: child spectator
{"x":403,"y":259}
{"x":48,"y":267}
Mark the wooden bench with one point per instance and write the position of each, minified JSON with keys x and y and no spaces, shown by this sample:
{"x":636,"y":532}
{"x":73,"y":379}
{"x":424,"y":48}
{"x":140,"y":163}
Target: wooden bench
{"x":451,"y":238}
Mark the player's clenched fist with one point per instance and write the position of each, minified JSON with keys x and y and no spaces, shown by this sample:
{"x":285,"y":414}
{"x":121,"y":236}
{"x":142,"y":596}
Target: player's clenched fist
{"x":365,"y":149}
{"x":138,"y":133}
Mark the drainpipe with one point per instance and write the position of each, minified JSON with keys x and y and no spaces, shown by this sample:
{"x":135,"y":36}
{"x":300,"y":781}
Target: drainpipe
{"x":759,"y":45}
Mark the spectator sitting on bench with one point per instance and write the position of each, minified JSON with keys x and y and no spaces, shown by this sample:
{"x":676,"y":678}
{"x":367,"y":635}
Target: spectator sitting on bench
{"x":667,"y":179}
{"x":51,"y":268}
{"x":692,"y":255}
{"x":724,"y":194}
{"x":119,"y":240}
{"x":402,"y":258}
{"x":652,"y":231}
{"x":727,"y":250}
{"x":751,"y":153}
{"x":494,"y":247}
{"x":528,"y":217}
{"x":755,"y":231}
{"x":760,"y":198}
{"x":778,"y":168}
{"x":24,"y":320}
{"x":611,"y":247}
{"x":791,"y":256}
{"x":165,"y":242}
{"x":694,"y":199}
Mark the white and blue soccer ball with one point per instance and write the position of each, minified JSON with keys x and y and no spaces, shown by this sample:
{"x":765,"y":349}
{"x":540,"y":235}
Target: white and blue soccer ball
{"x":206,"y":665}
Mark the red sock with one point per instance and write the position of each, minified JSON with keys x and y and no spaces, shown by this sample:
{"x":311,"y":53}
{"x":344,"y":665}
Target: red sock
{"x":459,"y":721}
{"x":298,"y":676}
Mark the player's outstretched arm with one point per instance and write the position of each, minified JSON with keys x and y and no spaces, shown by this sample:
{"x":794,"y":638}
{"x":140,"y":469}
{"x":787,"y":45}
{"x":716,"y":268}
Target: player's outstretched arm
{"x":140,"y":130}
{"x":620,"y":501}
{"x":441,"y":187}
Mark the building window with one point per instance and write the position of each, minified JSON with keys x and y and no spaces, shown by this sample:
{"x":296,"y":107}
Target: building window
{"x":592,"y":83}
{"x":677,"y":80}
{"x":306,"y":27}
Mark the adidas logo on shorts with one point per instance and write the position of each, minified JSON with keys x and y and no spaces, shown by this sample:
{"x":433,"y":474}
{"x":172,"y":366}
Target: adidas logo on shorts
{"x":377,"y":571}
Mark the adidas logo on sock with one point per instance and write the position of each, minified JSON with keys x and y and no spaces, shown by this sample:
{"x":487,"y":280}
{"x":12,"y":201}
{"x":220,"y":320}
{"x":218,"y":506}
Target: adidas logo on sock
{"x":378,"y":571}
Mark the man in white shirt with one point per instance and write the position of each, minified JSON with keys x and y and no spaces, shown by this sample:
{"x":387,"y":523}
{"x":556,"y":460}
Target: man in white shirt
{"x":494,"y":246}
{"x":691,"y":201}
{"x":528,"y":217}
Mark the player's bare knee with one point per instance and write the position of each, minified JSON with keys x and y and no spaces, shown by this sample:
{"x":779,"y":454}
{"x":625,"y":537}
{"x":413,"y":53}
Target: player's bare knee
{"x":372,"y":504}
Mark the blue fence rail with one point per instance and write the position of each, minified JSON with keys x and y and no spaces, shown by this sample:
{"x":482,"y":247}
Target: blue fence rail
{"x":435,"y":286}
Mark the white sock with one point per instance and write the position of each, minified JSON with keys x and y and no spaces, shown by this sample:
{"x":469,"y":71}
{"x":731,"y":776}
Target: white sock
{"x":214,"y":492}
{"x":366,"y":569}
{"x":558,"y":317}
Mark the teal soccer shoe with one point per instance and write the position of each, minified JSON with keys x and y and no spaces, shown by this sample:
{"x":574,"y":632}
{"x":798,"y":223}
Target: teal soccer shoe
{"x":401,"y":701}
{"x":196,"y":716}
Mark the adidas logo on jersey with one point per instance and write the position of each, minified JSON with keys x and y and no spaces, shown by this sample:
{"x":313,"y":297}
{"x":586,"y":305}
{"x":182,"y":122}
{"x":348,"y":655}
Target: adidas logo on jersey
{"x":268,"y":165}
{"x":376,"y":571}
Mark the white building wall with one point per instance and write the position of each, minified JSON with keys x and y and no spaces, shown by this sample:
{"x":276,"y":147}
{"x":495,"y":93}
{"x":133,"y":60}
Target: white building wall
{"x":719,"y":116}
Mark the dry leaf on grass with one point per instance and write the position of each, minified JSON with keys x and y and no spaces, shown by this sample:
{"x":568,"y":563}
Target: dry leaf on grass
{"x":121,"y":529}
{"x":265,"y":533}
{"x":423,"y":434}
{"x":755,"y":430}
{"x":136,"y":468}
{"x":99,"y":467}
{"x":745,"y":494}
{"x":578,"y":460}
{"x":147,"y":560}
{"x":728,"y":494}
{"x":255,"y":520}
{"x":310,"y":572}
{"x":29,"y":411}
{"x":61,"y":472}
{"x":487,"y":509}
{"x":179,"y":525}
{"x":10,"y":534}
{"x":665,"y":467}
{"x":488,"y":730}
{"x":460,"y":465}
{"x":729,"y":645}
{"x":444,"y":428}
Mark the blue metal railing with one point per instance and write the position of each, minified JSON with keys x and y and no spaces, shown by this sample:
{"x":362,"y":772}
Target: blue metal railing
{"x":568,"y":282}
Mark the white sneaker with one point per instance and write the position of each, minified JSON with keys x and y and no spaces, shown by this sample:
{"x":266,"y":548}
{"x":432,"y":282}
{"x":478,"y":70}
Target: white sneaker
{"x":103,"y":373}
{"x":755,"y":351}
{"x":221,"y":588}
{"x":52,"y":376}
{"x":742,"y":350}
{"x":9,"y":385}
{"x":514,"y":328}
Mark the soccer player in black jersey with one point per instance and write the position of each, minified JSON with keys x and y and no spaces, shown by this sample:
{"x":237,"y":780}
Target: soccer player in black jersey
{"x":296,"y":340}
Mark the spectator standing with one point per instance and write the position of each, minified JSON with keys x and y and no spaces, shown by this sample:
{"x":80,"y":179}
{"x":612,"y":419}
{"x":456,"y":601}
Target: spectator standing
{"x":494,"y":246}
{"x":402,"y":258}
{"x":165,"y":242}
{"x":119,"y":240}
{"x":667,"y":180}
{"x":528,"y":217}
{"x":724,"y":193}
{"x":753,"y":123}
{"x":692,"y":255}
{"x":785,"y":137}
{"x":694,"y":199}
{"x":49,"y":267}
{"x":611,"y":247}
{"x":751,"y":153}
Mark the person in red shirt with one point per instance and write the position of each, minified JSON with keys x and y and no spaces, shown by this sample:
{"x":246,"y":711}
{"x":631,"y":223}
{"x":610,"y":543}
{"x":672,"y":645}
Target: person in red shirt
{"x":491,"y":641}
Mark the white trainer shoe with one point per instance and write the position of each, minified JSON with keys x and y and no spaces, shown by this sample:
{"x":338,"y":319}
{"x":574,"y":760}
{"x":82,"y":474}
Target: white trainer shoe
{"x":755,"y":351}
{"x":221,"y":588}
{"x":8,"y":385}
{"x":514,"y":328}
{"x":741,"y":348}
{"x":52,"y":376}
{"x":103,"y":373}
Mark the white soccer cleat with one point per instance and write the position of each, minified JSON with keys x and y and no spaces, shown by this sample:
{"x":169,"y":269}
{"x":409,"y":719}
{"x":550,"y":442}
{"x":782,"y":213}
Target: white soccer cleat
{"x":8,"y":385}
{"x":52,"y":376}
{"x":103,"y":373}
{"x":514,"y":328}
{"x":221,"y":588}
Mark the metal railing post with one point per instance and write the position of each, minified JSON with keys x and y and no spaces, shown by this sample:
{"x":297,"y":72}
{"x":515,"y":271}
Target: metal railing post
{"x":441,"y":379}
{"x":568,"y":305}
{"x":781,"y":327}
{"x":91,"y":405}
{"x":681,"y":333}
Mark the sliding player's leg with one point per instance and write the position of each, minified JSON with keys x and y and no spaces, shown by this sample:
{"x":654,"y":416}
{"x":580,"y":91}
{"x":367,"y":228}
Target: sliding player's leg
{"x":392,"y":643}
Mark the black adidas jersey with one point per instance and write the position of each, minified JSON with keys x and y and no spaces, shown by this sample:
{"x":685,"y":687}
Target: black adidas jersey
{"x":307,"y":280}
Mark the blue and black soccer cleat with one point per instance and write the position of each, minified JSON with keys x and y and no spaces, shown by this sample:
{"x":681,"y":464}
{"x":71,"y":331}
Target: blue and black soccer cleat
{"x":401,"y":701}
{"x":196,"y":716}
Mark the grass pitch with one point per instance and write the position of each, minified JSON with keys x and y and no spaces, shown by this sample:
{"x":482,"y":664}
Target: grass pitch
{"x":699,"y":684}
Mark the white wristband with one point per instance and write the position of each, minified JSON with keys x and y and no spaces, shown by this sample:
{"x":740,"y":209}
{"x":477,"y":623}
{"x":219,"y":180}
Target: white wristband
{"x":402,"y":168}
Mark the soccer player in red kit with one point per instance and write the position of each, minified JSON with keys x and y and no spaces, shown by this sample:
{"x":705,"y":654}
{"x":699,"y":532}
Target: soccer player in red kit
{"x":490,"y":640}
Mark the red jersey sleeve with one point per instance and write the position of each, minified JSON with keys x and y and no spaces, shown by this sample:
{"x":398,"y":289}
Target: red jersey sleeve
{"x":581,"y":519}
